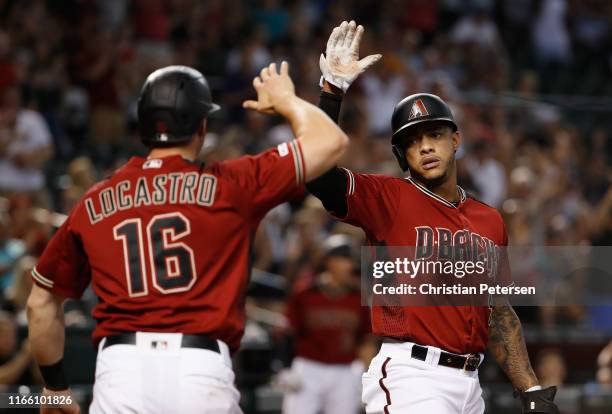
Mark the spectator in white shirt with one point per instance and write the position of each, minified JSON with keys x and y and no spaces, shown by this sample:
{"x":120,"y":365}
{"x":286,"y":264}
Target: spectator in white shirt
{"x":550,"y":33}
{"x":384,"y":86}
{"x":487,"y":174}
{"x":476,"y":28}
{"x":25,"y":145}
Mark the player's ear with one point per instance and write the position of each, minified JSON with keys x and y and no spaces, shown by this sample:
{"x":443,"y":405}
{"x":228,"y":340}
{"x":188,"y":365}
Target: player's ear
{"x":456,"y":137}
{"x":203,"y":127}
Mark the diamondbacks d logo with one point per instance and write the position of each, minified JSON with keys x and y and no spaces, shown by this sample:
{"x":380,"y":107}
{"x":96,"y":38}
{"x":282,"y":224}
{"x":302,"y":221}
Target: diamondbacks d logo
{"x":418,"y":110}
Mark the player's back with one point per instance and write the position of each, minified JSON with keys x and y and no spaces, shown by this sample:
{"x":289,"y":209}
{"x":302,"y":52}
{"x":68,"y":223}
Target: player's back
{"x":166,"y":242}
{"x":159,"y":236}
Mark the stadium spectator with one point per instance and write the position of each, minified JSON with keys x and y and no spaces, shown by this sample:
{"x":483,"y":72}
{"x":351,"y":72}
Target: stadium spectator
{"x":14,"y":360}
{"x":476,"y":28}
{"x":25,"y":145}
{"x":487,"y":174}
{"x":18,"y":293}
{"x":82,"y":176}
{"x":550,"y":367}
{"x":383,"y":87}
{"x":604,"y":367}
{"x":25,"y":227}
{"x":11,"y":250}
{"x":551,"y":37}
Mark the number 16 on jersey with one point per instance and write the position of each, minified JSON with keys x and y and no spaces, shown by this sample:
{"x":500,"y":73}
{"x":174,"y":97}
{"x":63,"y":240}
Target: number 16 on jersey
{"x":171,"y":262}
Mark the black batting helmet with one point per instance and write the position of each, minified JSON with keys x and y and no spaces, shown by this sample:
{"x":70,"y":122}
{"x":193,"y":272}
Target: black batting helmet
{"x":412,"y":110}
{"x":172,"y":104}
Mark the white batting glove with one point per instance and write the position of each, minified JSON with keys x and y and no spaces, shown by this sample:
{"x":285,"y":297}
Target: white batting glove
{"x":340,"y":65}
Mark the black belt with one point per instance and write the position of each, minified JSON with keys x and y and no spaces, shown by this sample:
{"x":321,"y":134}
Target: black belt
{"x":466,"y":363}
{"x":188,"y":341}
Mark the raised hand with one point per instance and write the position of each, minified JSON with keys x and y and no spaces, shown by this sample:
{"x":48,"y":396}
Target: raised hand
{"x":275,"y":91}
{"x":340,"y":65}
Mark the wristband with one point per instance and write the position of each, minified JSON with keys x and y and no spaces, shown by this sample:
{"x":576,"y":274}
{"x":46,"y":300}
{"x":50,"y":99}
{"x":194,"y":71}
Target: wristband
{"x":54,"y":376}
{"x":330,"y":104}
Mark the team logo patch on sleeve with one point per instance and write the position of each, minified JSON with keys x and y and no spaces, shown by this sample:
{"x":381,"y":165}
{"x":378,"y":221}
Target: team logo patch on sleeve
{"x":283,"y":149}
{"x":418,"y":110}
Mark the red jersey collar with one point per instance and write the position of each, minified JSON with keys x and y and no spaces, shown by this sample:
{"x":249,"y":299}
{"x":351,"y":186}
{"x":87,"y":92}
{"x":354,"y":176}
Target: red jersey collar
{"x":428,"y":192}
{"x":160,"y":162}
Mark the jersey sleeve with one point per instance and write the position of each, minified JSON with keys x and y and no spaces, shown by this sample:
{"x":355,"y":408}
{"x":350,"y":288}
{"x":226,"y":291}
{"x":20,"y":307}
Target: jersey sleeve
{"x":270,"y":178}
{"x":372,"y":202}
{"x":63,"y":268}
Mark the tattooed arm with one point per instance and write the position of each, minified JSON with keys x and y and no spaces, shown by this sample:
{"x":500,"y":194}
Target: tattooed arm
{"x":507,"y":345}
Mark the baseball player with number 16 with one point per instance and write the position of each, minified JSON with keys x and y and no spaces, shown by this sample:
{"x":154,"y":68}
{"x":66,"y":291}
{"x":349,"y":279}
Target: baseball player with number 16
{"x":165,"y":243}
{"x":429,"y":359}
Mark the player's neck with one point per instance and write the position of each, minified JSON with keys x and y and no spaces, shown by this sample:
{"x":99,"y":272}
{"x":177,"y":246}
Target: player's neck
{"x":184,"y":152}
{"x":188,"y":150}
{"x":447,"y":189}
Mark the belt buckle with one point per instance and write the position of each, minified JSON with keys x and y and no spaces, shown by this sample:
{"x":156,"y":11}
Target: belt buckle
{"x":471,"y":361}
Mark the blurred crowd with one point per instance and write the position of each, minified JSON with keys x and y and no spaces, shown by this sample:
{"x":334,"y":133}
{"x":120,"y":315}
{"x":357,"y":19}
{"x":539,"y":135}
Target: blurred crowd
{"x":527,"y":81}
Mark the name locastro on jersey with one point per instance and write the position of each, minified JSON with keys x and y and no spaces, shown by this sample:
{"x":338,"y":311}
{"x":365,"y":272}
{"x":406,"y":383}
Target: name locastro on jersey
{"x":165,"y":242}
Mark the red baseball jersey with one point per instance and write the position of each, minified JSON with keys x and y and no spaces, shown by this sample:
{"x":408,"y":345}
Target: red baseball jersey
{"x":402,"y":212}
{"x":165,"y":242}
{"x":327,"y":328}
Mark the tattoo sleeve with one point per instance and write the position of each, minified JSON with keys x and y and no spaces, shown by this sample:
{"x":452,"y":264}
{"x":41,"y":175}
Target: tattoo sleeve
{"x":507,"y":345}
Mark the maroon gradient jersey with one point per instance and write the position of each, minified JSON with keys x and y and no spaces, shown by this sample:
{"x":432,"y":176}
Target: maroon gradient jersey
{"x":402,"y":212}
{"x":327,"y":327}
{"x":165,"y":242}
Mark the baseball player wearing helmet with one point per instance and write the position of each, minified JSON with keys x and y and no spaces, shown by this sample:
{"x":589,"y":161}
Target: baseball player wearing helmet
{"x":164,"y":243}
{"x":429,"y":358}
{"x":328,"y":325}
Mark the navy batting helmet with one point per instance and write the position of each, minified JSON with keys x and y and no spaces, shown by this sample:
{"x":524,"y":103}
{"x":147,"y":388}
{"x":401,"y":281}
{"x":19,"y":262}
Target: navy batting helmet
{"x":173,"y":102}
{"x":414,"y":110}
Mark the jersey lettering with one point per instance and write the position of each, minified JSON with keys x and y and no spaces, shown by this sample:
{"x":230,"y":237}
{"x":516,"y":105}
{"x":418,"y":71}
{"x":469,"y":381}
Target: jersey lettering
{"x":142,"y":193}
{"x":124,"y":201}
{"x":190,"y":188}
{"x":174,"y":188}
{"x":160,"y":194}
{"x":107,"y":201}
{"x":206,"y":190}
{"x":462,"y":245}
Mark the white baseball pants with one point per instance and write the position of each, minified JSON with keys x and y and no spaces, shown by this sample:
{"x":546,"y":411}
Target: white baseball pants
{"x":325,"y":388}
{"x":397,"y":383}
{"x":158,"y":376}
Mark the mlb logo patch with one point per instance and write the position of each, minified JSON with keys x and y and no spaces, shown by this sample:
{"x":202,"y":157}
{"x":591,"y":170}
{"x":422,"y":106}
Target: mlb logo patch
{"x":154,"y":163}
{"x":418,"y":110}
{"x":283,"y":149}
{"x":159,"y":344}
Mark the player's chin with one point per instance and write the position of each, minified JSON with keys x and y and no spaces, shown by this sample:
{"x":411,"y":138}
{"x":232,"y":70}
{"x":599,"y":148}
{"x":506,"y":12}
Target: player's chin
{"x":431,"y":174}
